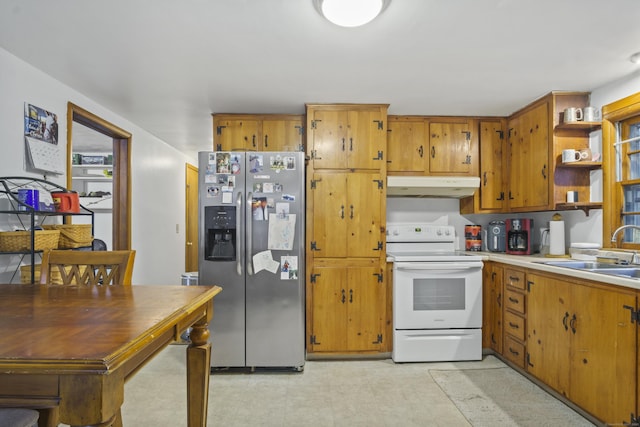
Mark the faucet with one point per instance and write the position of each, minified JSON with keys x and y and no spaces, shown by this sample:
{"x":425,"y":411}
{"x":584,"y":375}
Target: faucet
{"x":617,"y":230}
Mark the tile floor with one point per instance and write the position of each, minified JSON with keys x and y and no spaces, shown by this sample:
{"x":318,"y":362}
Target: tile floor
{"x":328,"y":393}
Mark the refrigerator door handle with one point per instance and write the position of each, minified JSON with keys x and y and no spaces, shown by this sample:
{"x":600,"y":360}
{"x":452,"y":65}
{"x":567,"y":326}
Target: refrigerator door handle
{"x":239,"y":238}
{"x":249,"y":231}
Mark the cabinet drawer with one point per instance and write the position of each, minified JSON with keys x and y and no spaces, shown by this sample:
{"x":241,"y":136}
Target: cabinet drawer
{"x":514,"y":351}
{"x":514,"y":301}
{"x":514,"y":278}
{"x":514,"y":325}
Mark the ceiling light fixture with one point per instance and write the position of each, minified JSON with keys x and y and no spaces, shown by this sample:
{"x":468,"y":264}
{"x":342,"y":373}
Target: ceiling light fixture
{"x":635,"y":58}
{"x":350,"y":13}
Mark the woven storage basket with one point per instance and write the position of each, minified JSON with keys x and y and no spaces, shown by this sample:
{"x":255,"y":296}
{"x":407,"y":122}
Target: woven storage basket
{"x":25,"y":275}
{"x":72,"y":235}
{"x":18,"y":241}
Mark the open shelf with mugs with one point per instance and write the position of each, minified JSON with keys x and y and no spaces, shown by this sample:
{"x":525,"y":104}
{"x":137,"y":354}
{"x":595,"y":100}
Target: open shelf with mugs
{"x":573,"y":160}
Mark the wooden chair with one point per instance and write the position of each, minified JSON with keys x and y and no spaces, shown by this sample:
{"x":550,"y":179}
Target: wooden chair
{"x":67,"y":267}
{"x":18,"y":417}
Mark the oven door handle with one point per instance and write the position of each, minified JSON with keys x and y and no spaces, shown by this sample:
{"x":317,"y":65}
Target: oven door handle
{"x":466,"y":265}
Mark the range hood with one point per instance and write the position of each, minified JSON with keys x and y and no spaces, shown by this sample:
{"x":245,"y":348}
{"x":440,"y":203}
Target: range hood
{"x":432,"y":186}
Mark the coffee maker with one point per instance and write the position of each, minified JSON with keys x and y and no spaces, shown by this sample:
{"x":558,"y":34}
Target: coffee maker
{"x":519,"y":236}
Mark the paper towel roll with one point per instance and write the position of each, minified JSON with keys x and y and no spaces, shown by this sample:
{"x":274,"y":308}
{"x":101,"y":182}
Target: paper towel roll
{"x":556,"y":238}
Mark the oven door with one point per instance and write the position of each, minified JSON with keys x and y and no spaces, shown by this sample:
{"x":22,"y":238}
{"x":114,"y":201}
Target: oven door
{"x":437,"y":295}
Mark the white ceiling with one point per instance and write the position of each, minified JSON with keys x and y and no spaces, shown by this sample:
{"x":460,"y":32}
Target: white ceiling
{"x":166,"y":65}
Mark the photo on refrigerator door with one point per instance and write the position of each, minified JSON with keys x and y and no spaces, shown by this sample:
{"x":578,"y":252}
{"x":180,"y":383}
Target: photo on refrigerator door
{"x":289,"y":268}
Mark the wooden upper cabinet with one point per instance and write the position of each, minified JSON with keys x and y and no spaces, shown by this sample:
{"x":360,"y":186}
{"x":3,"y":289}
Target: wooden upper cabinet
{"x":406,"y":145}
{"x":282,"y":134}
{"x":258,"y":132}
{"x":492,"y":152}
{"x":241,"y":134}
{"x":347,"y":136}
{"x":529,"y":171}
{"x":451,"y":149}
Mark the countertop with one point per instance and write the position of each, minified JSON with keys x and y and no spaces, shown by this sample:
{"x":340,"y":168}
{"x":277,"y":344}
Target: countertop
{"x":536,"y":262}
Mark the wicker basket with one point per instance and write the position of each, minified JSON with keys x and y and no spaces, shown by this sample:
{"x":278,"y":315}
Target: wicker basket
{"x":72,"y":235}
{"x":19,"y":241}
{"x":55,"y":279}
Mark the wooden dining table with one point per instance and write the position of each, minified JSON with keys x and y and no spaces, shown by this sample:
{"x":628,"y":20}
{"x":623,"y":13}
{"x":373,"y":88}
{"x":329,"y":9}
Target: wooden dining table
{"x":68,"y":350}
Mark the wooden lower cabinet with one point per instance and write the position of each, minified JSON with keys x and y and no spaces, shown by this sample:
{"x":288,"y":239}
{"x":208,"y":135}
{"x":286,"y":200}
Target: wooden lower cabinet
{"x":347,"y":309}
{"x":581,"y":341}
{"x":492,"y":307}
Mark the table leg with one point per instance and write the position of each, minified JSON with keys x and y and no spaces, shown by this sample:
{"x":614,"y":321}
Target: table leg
{"x":198,"y":371}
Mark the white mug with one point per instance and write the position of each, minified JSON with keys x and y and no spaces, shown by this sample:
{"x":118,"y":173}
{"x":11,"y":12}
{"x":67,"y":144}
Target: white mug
{"x":572,"y":196}
{"x":572,"y":114}
{"x":590,"y":114}
{"x":570,"y":155}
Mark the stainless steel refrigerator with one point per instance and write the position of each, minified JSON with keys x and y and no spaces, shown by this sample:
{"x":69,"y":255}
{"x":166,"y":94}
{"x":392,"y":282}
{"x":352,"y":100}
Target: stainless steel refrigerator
{"x":251,"y":243}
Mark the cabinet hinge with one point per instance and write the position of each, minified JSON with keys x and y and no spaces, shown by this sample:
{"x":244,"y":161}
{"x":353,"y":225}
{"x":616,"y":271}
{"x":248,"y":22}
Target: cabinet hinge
{"x":379,"y":339}
{"x":380,"y":156}
{"x":379,"y":247}
{"x":380,"y":183}
{"x":501,"y":196}
{"x":467,"y":135}
{"x":301,"y":148}
{"x":634,"y":422}
{"x":529,"y":283}
{"x":314,"y":247}
{"x":312,"y":340}
{"x":314,"y":124}
{"x":219,"y":129}
{"x":380,"y":124}
{"x":312,"y":277}
{"x":219,"y":147}
{"x":300,"y":130}
{"x":529,"y":360}
{"x":380,"y":277}
{"x":501,"y":133}
{"x":314,"y":182}
{"x":314,"y":155}
{"x":635,"y":314}
{"x":467,"y":160}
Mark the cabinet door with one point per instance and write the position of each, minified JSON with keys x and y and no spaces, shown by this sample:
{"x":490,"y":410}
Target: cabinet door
{"x":491,"y":165}
{"x":329,"y":192}
{"x":364,"y":214}
{"x":236,"y":135}
{"x":329,"y":309}
{"x":549,"y":315}
{"x":406,"y":150}
{"x":603,"y":353}
{"x":367,"y":140}
{"x":450,"y":148}
{"x":328,"y":139}
{"x":529,"y":159}
{"x":282,"y":135}
{"x":365,"y":297}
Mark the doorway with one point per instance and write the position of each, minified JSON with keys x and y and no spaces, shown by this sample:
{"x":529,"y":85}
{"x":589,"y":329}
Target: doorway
{"x":191,"y":220}
{"x":104,"y":170}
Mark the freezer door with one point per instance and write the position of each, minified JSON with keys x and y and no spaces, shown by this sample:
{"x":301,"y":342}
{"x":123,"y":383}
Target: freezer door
{"x":275,"y":296}
{"x":221,"y":196}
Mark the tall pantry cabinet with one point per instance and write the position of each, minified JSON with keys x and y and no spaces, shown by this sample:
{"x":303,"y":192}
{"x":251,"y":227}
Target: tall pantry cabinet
{"x":346,"y":216}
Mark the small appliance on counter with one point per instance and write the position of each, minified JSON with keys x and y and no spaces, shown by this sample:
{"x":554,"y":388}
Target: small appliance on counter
{"x":473,"y":237}
{"x":519,"y":237}
{"x":496,"y":236}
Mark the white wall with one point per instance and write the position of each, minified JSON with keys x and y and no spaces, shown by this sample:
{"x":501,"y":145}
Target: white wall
{"x":158,"y":170}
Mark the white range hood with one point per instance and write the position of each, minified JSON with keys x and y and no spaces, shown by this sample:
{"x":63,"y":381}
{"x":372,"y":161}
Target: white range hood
{"x":432,"y":186}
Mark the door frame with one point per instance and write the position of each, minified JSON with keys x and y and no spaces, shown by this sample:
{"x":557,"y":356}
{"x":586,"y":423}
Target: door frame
{"x":121,"y":211}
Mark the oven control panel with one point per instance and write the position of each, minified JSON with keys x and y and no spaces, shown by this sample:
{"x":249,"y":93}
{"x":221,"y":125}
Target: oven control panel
{"x":420,"y":233}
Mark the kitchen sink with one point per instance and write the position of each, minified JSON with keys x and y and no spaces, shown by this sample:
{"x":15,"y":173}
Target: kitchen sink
{"x":633,"y":272}
{"x":584,"y":265}
{"x":600,"y":267}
